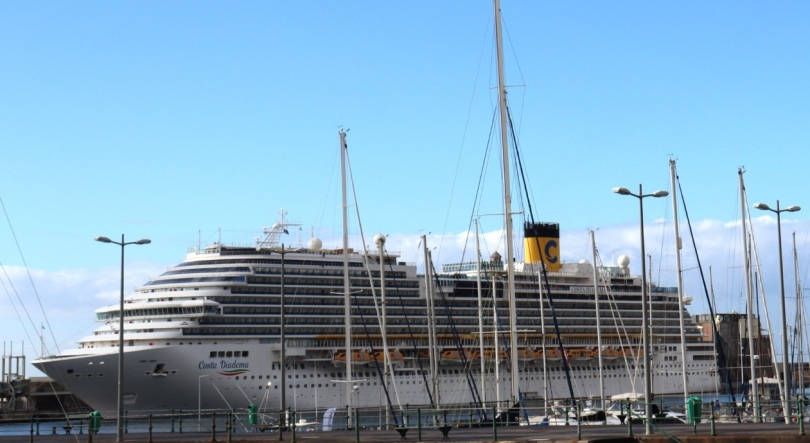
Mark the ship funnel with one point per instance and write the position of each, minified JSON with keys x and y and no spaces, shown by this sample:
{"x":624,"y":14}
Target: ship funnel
{"x":541,"y":241}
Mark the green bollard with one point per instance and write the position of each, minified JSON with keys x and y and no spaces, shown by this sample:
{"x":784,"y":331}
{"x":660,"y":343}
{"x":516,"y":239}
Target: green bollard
{"x":629,"y":419}
{"x":419,"y":424}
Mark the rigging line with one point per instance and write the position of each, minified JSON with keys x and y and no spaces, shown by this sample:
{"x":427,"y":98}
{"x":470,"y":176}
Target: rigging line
{"x":373,"y":292}
{"x":479,"y":188}
{"x":22,"y":305}
{"x":13,"y":305}
{"x":722,"y":362}
{"x":415,"y":348}
{"x":30,"y":278}
{"x":454,"y":331}
{"x":543,"y":269}
{"x":464,"y":136}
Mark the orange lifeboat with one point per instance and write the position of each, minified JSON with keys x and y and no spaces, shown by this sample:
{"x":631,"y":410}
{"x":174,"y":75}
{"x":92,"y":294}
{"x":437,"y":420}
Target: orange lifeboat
{"x":394,"y":355}
{"x":454,"y":356}
{"x":526,"y":354}
{"x":358,"y":358}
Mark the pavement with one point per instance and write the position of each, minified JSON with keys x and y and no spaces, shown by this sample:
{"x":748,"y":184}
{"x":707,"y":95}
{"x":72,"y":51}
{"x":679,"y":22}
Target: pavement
{"x":725,"y":433}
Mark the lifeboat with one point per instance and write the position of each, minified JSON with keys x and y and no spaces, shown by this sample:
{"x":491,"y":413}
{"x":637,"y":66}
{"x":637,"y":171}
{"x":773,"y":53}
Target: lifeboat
{"x":394,"y":355}
{"x":489,"y":354}
{"x":610,"y":353}
{"x":578,"y":354}
{"x":552,"y":354}
{"x":359,"y":358}
{"x":526,"y":354}
{"x":454,"y":356}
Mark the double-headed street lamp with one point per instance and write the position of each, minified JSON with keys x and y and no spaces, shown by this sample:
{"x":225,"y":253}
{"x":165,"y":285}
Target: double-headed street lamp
{"x":122,"y":243}
{"x":645,"y":339}
{"x":786,"y":377}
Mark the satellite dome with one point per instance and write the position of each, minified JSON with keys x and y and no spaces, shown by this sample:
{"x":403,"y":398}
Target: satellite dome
{"x":584,"y":262}
{"x":315,"y":243}
{"x":623,"y":261}
{"x":379,"y":240}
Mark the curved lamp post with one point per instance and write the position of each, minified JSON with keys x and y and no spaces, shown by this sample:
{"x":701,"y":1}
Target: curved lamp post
{"x":786,"y":377}
{"x":122,"y":243}
{"x":645,"y":339}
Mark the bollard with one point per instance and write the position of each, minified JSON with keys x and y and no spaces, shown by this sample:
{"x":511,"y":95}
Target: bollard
{"x":629,"y":420}
{"x":579,"y":422}
{"x":713,"y":429}
{"x":419,"y":424}
{"x":172,"y":420}
{"x":494,"y":423}
{"x":213,"y":427}
{"x":181,"y":421}
{"x":149,"y":440}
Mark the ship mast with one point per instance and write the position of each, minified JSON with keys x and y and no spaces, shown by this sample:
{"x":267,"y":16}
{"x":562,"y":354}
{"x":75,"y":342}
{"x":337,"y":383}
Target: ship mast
{"x":507,"y":212}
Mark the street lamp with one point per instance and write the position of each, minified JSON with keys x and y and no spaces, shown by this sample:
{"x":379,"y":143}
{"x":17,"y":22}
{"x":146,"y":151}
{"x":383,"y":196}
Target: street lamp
{"x":143,"y":241}
{"x":645,"y":339}
{"x":199,"y":402}
{"x":786,"y":378}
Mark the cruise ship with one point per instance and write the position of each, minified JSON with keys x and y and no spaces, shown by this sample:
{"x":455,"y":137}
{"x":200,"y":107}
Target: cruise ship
{"x":207,"y":333}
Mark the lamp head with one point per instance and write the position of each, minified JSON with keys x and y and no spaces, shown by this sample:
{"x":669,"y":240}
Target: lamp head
{"x":103,"y":239}
{"x":762,"y":206}
{"x":622,"y":191}
{"x":793,"y":209}
{"x":660,"y":194}
{"x":143,"y":241}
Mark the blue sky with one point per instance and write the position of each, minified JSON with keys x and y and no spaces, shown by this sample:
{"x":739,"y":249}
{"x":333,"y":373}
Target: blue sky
{"x":183,"y":122}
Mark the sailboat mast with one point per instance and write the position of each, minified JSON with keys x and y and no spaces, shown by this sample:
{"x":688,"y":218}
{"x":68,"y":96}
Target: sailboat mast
{"x":347,"y":306}
{"x":754,"y":394}
{"x":507,"y":212}
{"x":679,"y":273}
{"x":598,"y":323}
{"x":480,"y":310}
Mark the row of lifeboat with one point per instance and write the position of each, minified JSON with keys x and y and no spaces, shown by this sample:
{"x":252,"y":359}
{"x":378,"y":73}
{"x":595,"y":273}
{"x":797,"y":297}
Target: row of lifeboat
{"x":362,"y":358}
{"x":454,"y":356}
{"x":536,"y":354}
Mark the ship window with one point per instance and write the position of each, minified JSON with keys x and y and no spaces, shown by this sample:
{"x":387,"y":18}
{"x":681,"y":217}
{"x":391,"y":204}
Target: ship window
{"x":221,"y":353}
{"x":244,"y":353}
{"x":229,"y":354}
{"x":70,"y":371}
{"x":237,"y":353}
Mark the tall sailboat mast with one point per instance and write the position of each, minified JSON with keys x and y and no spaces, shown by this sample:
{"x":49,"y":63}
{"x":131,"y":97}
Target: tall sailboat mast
{"x":679,"y":273}
{"x":507,"y":211}
{"x":347,"y":304}
{"x":598,"y":323}
{"x":750,"y":299}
